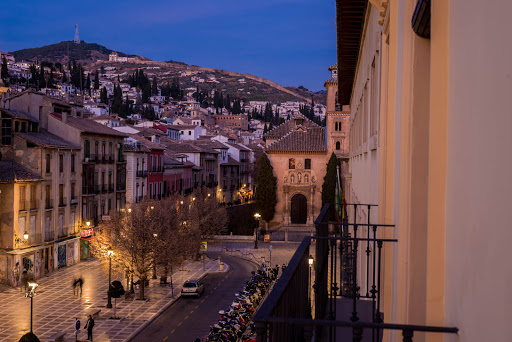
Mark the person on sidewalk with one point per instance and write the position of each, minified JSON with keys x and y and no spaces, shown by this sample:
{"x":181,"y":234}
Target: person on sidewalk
{"x":75,"y":282}
{"x":89,"y":325}
{"x":80,"y":282}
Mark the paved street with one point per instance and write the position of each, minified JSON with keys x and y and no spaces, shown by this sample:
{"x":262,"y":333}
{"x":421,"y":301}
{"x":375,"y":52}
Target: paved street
{"x":191,"y":318}
{"x":55,"y":306}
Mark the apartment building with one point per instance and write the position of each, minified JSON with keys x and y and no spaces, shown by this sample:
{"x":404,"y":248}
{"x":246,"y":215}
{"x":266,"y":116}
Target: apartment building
{"x":429,"y":103}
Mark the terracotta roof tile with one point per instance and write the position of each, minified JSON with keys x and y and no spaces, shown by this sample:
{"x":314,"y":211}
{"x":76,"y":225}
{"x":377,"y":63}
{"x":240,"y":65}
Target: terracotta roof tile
{"x":47,"y":139}
{"x":300,"y":139}
{"x":91,"y":126}
{"x":12,"y":172}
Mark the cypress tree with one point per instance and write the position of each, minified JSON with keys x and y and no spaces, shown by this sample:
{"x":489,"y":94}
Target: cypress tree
{"x":329,"y":185}
{"x":103,"y":96}
{"x":266,"y":197}
{"x":5,"y":73}
{"x":96,"y":80}
{"x":154,"y":87}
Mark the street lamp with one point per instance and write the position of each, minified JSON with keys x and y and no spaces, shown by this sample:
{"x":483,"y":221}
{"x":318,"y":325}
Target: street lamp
{"x":31,"y":292}
{"x":17,"y":239}
{"x":310,"y":261}
{"x":257,"y":217}
{"x":88,"y":223}
{"x":129,"y":210}
{"x":110,"y":253}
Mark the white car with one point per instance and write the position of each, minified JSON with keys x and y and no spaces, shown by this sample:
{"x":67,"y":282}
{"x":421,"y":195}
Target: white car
{"x":192,"y":288}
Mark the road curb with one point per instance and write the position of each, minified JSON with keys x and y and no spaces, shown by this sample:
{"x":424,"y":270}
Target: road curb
{"x":167,"y":306}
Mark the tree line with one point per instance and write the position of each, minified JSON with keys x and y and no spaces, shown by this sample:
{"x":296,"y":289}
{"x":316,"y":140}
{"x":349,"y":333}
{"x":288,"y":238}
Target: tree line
{"x":155,"y":236}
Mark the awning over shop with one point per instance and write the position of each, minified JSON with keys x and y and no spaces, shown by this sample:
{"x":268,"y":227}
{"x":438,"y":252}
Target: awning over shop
{"x":25,"y":250}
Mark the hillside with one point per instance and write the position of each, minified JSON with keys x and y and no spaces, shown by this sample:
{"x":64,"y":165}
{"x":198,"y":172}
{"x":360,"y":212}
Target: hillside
{"x":65,"y":51}
{"x":244,"y":86}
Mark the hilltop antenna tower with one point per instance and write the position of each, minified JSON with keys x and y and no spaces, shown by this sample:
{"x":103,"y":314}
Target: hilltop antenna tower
{"x":77,"y":37}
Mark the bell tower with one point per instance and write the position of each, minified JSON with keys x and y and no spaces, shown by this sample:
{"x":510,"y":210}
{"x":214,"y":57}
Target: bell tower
{"x":332,"y":88}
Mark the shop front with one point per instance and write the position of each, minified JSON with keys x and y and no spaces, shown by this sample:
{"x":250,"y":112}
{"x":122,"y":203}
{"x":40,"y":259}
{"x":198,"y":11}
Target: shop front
{"x":67,"y":252}
{"x":85,"y":241}
{"x":24,"y":265}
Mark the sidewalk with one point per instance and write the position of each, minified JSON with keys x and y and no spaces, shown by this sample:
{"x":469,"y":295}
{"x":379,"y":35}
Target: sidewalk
{"x":55,"y":306}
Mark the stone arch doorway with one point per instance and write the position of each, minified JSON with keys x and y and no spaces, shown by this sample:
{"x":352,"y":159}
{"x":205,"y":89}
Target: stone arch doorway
{"x":299,"y":209}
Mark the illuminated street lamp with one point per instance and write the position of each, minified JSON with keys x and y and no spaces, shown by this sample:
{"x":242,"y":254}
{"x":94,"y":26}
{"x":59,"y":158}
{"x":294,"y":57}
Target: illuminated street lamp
{"x":310,"y":262}
{"x":31,"y":292}
{"x":88,"y":223}
{"x":257,"y":217}
{"x":129,"y":210}
{"x":110,"y":253}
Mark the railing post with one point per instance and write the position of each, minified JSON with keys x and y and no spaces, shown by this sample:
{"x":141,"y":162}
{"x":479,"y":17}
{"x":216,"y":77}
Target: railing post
{"x":407,"y":335}
{"x":368,"y":253}
{"x":357,"y":334}
{"x":261,"y":332}
{"x":354,"y":317}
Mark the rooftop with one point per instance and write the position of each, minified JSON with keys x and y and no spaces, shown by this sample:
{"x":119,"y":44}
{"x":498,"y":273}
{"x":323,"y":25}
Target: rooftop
{"x":12,"y":172}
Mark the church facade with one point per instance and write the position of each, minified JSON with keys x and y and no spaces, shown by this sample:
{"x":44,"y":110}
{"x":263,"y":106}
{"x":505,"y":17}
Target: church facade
{"x":299,"y":151}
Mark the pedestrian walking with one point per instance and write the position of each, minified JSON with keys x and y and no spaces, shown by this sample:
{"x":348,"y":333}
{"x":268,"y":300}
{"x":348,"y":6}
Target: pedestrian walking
{"x":77,"y":328}
{"x":89,"y":325}
{"x":75,"y":282}
{"x":80,"y":284}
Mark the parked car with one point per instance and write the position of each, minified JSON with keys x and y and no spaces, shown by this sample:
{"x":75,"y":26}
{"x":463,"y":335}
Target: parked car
{"x":192,"y":288}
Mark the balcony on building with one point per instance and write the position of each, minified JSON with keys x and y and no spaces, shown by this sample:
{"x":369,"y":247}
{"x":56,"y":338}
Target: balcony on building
{"x":90,"y":158}
{"x":48,"y":203}
{"x":73,"y":200}
{"x":48,"y":235}
{"x":33,"y":205}
{"x":141,"y":174}
{"x":121,"y":186}
{"x":62,"y":202}
{"x":337,"y":296}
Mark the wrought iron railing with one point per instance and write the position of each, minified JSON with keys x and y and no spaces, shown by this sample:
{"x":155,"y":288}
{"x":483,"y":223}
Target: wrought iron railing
{"x":289,"y":315}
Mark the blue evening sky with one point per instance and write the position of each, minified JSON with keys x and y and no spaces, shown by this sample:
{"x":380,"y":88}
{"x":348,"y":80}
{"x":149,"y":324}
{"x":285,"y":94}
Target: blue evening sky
{"x":291,"y":42}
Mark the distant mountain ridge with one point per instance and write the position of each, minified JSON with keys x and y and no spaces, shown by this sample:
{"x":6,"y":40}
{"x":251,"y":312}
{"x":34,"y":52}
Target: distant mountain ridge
{"x":94,"y":55}
{"x":67,"y":50}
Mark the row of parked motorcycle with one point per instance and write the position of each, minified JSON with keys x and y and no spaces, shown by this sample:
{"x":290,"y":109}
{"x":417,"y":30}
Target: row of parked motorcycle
{"x":234,"y":323}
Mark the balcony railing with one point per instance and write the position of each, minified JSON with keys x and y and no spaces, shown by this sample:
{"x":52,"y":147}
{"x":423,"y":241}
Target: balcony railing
{"x":48,"y":236}
{"x":120,"y":187}
{"x":339,"y":314}
{"x":157,"y":169}
{"x":111,"y":188}
{"x":139,"y":199}
{"x":92,"y":158}
{"x":48,"y":203}
{"x":104,"y":189}
{"x":88,"y":190}
{"x":73,"y":200}
{"x":142,"y":174}
{"x":62,"y":202}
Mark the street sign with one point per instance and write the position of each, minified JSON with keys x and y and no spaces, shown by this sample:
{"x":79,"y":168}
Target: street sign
{"x":204,"y":246}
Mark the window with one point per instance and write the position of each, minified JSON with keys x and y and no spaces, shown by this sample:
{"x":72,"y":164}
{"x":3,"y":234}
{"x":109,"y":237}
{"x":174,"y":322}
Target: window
{"x":307,"y":164}
{"x":104,"y":150}
{"x":189,"y":132}
{"x":110,"y":149}
{"x":23,"y":127}
{"x":6,"y":131}
{"x":61,"y":194}
{"x":22,"y":197}
{"x":48,"y":163}
{"x":73,"y":163}
{"x":291,"y":163}
{"x":61,"y":163}
{"x":87,"y":149}
{"x":338,"y":145}
{"x":151,"y":167}
{"x":73,"y":190}
{"x":96,"y":148}
{"x":16,"y":126}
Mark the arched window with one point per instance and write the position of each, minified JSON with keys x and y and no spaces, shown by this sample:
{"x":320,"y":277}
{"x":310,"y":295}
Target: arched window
{"x":338,"y":145}
{"x":291,"y":163}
